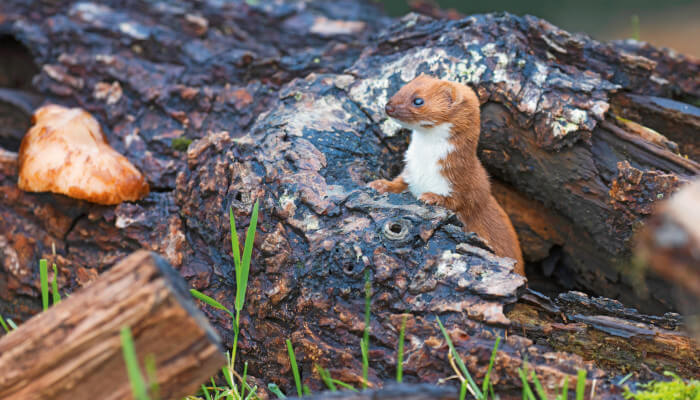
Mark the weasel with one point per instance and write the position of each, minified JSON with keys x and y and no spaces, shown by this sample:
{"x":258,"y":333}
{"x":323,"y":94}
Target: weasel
{"x":442,"y":167}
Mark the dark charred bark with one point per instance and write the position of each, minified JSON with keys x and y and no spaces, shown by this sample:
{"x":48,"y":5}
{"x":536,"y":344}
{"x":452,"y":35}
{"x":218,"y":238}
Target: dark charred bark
{"x":284,"y":105}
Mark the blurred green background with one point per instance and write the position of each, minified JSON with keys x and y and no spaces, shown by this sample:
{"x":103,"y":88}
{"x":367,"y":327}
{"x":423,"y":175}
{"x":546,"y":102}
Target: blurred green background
{"x":671,"y":23}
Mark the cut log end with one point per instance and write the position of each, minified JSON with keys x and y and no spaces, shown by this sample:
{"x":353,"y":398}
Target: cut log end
{"x":73,"y":350}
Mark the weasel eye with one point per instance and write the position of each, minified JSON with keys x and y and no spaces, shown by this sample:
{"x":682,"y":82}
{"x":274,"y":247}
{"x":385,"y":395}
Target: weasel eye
{"x":418,"y":102}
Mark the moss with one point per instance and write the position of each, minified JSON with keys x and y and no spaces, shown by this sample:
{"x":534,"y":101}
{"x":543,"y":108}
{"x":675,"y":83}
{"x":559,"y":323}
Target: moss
{"x":181,"y":143}
{"x":675,"y":389}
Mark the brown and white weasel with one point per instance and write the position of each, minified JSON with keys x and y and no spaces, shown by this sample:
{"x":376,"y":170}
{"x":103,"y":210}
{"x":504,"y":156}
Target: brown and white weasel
{"x":442,"y":167}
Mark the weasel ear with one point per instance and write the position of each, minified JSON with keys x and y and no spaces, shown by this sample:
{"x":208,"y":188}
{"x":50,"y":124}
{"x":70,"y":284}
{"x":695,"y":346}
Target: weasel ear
{"x":452,"y":93}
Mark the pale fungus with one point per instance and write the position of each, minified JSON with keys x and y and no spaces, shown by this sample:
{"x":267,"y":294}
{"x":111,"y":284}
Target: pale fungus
{"x":66,"y":152}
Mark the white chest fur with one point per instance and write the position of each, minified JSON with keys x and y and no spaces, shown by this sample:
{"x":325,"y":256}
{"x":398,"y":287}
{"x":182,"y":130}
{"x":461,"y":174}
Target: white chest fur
{"x":423,"y":170}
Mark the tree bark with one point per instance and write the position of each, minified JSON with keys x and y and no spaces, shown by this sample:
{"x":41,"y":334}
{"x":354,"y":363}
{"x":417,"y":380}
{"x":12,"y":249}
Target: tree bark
{"x":73,"y":350}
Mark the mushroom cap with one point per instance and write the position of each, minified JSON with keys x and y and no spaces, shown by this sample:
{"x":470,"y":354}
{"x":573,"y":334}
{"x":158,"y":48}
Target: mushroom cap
{"x":66,"y":152}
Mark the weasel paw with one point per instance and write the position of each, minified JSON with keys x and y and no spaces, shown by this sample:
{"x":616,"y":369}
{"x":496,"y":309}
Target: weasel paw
{"x":380,"y":185}
{"x":432,"y":199}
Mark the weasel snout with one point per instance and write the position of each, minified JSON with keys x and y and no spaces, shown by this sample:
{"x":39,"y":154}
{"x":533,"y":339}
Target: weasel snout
{"x":390,"y":110}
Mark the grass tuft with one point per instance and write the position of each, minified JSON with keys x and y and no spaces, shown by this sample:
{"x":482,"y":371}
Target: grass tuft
{"x":465,"y":373}
{"x":242,"y":272}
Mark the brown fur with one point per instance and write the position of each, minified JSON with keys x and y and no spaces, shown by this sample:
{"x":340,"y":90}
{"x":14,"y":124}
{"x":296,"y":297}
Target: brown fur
{"x":471,"y":199}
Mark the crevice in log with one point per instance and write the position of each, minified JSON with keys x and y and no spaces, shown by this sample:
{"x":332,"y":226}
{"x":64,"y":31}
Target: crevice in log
{"x":679,"y":122}
{"x":16,"y":92}
{"x":17,"y":68}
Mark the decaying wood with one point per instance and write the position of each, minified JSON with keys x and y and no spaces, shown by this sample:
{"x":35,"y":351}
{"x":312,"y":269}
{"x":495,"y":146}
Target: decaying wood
{"x":73,"y":350}
{"x":285,"y":106}
{"x":617,"y":338}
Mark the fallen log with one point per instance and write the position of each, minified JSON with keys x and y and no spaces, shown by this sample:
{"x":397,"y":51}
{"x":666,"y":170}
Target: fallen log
{"x":294,"y":119}
{"x":73,"y":350}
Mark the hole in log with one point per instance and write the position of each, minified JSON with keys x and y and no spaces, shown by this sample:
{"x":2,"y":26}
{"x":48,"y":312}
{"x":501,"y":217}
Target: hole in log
{"x":396,"y":229}
{"x":665,"y":122}
{"x":348,"y":268}
{"x":17,"y":68}
{"x":17,"y":99}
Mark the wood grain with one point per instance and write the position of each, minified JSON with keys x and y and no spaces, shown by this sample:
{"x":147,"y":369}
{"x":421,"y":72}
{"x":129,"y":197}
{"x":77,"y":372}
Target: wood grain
{"x":73,"y":350}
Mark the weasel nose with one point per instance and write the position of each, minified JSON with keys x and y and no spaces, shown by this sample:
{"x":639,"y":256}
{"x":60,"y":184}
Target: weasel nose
{"x":389,"y":109}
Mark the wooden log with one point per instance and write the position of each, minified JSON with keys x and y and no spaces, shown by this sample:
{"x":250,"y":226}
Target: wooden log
{"x":73,"y":350}
{"x":549,"y":132}
{"x":617,"y":338}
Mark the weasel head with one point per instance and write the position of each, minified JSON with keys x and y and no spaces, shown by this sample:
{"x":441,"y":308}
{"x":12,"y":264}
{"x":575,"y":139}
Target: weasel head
{"x":427,"y":102}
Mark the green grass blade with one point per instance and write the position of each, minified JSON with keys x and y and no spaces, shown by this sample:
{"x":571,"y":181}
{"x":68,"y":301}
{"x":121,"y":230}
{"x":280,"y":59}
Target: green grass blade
{"x":365,"y":363}
{"x":12,"y":324}
{"x":527,"y":391}
{"x":242,"y":283}
{"x":228,"y":376}
{"x":306,"y":390}
{"x":206,"y":392}
{"x":634,"y":21}
{"x":276,"y":391}
{"x":343,"y":385}
{"x":624,"y":379}
{"x":138,"y":385}
{"x":581,"y":384}
{"x":208,"y":300}
{"x":487,"y":377}
{"x":152,"y":375}
{"x":250,"y":395}
{"x":326,"y":377}
{"x":459,"y":361}
{"x":245,"y":375}
{"x":462,"y":390}
{"x":44,"y":277}
{"x":399,"y":355}
{"x":565,"y":388}
{"x":364,"y":345}
{"x":235,"y":245}
{"x":295,"y":368}
{"x":4,"y":325}
{"x":54,"y":286}
{"x":538,"y":386}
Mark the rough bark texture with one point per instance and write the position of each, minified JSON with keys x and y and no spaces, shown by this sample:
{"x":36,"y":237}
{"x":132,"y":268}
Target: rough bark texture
{"x":73,"y":350}
{"x":284,"y":103}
